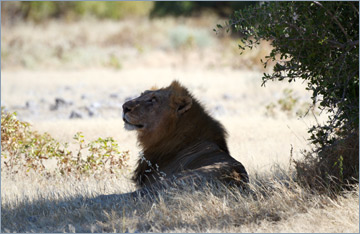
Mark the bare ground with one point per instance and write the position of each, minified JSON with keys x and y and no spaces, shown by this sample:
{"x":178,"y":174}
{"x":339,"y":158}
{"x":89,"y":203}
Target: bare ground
{"x":236,"y":98}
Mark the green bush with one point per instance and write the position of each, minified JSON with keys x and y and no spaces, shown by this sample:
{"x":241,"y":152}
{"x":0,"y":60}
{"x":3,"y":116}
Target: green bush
{"x":23,"y":150}
{"x":317,"y":42}
{"x":188,"y":8}
{"x":113,"y":9}
{"x":39,"y":11}
{"x":173,"y":8}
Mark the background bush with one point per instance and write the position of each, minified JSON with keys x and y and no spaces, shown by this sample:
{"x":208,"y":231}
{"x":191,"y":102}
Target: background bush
{"x":38,"y":11}
{"x":317,"y":42}
{"x":187,"y":8}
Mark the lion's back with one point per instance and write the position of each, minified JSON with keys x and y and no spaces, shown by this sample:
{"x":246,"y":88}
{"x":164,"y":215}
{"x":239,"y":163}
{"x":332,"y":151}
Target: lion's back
{"x":207,"y":160}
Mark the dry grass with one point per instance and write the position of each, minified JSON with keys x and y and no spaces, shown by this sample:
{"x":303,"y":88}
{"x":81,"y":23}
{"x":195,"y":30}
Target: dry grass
{"x":124,"y":44}
{"x":69,"y":205}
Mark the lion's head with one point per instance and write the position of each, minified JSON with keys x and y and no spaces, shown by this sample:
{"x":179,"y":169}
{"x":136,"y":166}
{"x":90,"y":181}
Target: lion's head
{"x":155,"y":113}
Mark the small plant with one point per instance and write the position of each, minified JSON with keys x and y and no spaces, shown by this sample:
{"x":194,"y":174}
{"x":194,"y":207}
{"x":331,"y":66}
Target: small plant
{"x":290,"y":104}
{"x":304,"y":109}
{"x":103,"y":156}
{"x":24,"y":150}
{"x":270,"y":109}
{"x":114,"y":62}
{"x":340,"y":165}
{"x":184,"y":38}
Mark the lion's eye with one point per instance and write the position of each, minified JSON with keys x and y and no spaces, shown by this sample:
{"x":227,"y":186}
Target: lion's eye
{"x":152,"y":100}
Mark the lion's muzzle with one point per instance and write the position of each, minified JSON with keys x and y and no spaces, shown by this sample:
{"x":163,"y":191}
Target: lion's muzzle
{"x":128,"y":107}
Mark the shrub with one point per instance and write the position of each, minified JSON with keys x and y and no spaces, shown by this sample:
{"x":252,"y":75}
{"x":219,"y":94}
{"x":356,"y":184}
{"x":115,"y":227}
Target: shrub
{"x":38,"y":11}
{"x":113,"y":9}
{"x":317,"y":42}
{"x":23,"y":150}
{"x":182,"y":37}
{"x":334,"y":167}
{"x":187,"y":8}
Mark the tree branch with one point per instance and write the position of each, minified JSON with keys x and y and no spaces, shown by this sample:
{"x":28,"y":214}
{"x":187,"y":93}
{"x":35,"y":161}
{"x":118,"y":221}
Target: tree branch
{"x":334,"y":18}
{"x":355,"y":9}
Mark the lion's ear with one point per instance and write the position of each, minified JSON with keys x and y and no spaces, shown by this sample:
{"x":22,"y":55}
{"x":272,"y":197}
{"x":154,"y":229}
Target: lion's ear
{"x":180,"y":97}
{"x":184,"y":104}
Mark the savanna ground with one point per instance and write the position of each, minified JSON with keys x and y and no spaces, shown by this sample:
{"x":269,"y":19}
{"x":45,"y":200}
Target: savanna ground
{"x":91,"y":67}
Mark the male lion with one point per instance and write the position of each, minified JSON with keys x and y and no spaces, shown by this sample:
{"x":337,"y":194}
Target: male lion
{"x":179,"y":139}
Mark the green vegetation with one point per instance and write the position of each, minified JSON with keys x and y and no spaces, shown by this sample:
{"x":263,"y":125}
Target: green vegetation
{"x":39,"y":11}
{"x":318,"y":43}
{"x":188,"y":8}
{"x":182,"y":37}
{"x":114,"y":62}
{"x":290,"y":104}
{"x":113,"y":9}
{"x":23,"y":150}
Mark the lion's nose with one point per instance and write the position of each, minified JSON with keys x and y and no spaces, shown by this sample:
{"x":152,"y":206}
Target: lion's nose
{"x":126,"y":107}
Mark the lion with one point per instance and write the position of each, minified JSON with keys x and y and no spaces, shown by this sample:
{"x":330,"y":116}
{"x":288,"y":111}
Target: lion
{"x":179,"y":139}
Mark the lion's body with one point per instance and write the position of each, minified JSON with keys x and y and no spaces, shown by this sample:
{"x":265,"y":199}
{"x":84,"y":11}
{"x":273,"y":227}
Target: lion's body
{"x":179,"y":138}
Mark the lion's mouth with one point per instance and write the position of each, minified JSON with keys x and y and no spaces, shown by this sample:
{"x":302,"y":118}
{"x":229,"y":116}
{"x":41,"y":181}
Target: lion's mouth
{"x":133,"y":125}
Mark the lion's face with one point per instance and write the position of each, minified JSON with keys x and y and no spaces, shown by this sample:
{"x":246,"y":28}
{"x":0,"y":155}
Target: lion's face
{"x":146,"y":111}
{"x":155,"y":109}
